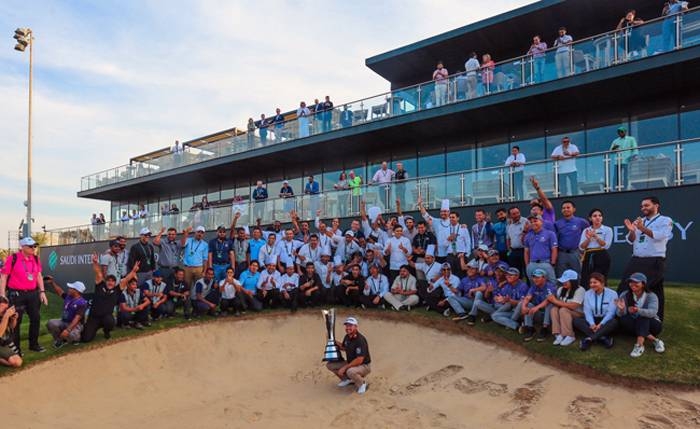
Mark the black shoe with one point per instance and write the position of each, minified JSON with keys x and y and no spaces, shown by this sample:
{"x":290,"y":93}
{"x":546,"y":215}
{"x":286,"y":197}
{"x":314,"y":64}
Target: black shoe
{"x":57,"y":344}
{"x":37,"y":348}
{"x":107,"y":335}
{"x":529,"y":333}
{"x":486,"y":319}
{"x":585,"y":344}
{"x":607,"y":342}
{"x":542,"y":335}
{"x":471,"y":320}
{"x":457,"y":318}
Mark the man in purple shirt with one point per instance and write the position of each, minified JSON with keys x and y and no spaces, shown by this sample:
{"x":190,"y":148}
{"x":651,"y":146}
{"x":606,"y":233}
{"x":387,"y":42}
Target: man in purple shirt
{"x":536,"y":306}
{"x":70,"y":325}
{"x":541,"y":248}
{"x":569,"y":230}
{"x":508,"y":314}
{"x":466,"y":290}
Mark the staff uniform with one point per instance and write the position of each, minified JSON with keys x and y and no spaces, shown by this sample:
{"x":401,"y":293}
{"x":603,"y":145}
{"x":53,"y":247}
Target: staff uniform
{"x":132,"y":300}
{"x":507,"y":315}
{"x":568,"y":238}
{"x":649,"y":257}
{"x":645,"y":321}
{"x":208,"y":291}
{"x":72,"y":307}
{"x":174,"y":301}
{"x":514,"y":232}
{"x":598,"y":308}
{"x":378,"y":287}
{"x":596,"y":258}
{"x":157,"y":289}
{"x":290,"y":284}
{"x":540,"y":245}
{"x":462,"y":300}
{"x":538,"y":295}
{"x":397,"y":257}
{"x":325,"y":273}
{"x":194,"y":257}
{"x":268,"y":288}
{"x":221,"y":257}
{"x":487,"y":303}
{"x":168,"y":257}
{"x":249,"y":281}
{"x":399,"y":300}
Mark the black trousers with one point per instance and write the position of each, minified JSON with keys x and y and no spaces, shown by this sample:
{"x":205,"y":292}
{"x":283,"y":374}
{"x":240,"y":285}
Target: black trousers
{"x":124,"y":317}
{"x":516,"y":259}
{"x":26,"y":302}
{"x":594,"y":262}
{"x":312,"y":300}
{"x":328,"y":295}
{"x":95,"y":323}
{"x":250,"y":302}
{"x":368,"y":301}
{"x":293,"y":301}
{"x":231,"y":304}
{"x":270,"y":299}
{"x":581,"y":324}
{"x":654,"y":269}
{"x":640,"y":326}
{"x":349,"y":298}
{"x":173,"y":303}
{"x":433,"y":299}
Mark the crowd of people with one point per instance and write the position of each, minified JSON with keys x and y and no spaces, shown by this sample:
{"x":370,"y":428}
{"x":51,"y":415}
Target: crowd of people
{"x":540,"y":274}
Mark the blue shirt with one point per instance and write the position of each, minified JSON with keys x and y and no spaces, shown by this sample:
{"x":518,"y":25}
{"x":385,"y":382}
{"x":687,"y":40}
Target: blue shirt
{"x":469,"y":283}
{"x":311,"y":188}
{"x":259,"y":194}
{"x":499,"y":231}
{"x":540,"y":244}
{"x":254,"y":247}
{"x":220,"y":251}
{"x":569,"y":232}
{"x":73,"y":307}
{"x":249,"y":281}
{"x":505,"y":290}
{"x":518,"y":291}
{"x":195,"y":253}
{"x":596,"y":306}
{"x":539,"y":294}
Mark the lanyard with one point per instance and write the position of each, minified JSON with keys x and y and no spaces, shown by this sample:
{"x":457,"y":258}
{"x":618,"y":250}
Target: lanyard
{"x":404,"y":285}
{"x":646,"y":224}
{"x":312,"y":255}
{"x":28,"y":272}
{"x":192,"y":252}
{"x":289,"y":251}
{"x":599,"y":312}
{"x":146,"y":251}
{"x":375,"y":289}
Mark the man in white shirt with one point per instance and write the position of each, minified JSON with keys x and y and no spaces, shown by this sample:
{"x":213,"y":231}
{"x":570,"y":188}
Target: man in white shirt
{"x":288,"y":247}
{"x":310,"y":252}
{"x":404,"y":293}
{"x":269,"y":284}
{"x":376,"y":286}
{"x":269,"y":249}
{"x":471,"y":67}
{"x":516,"y":162}
{"x":229,"y":298}
{"x":649,"y":236}
{"x":565,"y":154}
{"x":324,"y":269}
{"x":398,"y":248}
{"x":347,"y":246}
{"x":562,"y":57}
{"x":440,"y":226}
{"x":382,"y":179}
{"x":289,"y":288}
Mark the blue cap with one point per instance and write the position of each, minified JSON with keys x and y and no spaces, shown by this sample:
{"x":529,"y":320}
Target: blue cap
{"x":539,"y":272}
{"x":502,"y":266}
{"x":638,"y":278}
{"x":157,"y":273}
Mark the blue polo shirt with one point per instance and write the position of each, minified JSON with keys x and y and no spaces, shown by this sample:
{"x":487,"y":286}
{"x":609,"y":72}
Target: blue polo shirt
{"x":499,"y":231}
{"x":518,"y":291}
{"x":505,"y":290}
{"x":540,"y":244}
{"x":254,"y":247}
{"x":195,"y":253}
{"x":249,"y":281}
{"x":539,"y":294}
{"x":469,"y":283}
{"x":569,"y":232}
{"x":220,"y":251}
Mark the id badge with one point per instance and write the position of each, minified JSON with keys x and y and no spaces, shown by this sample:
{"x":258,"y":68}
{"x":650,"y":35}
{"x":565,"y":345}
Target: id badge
{"x":30,"y":277}
{"x":642,"y":238}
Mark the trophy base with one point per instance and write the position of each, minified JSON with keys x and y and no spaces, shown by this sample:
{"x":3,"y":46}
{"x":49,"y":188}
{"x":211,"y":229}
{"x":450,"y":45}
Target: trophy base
{"x":332,"y":353}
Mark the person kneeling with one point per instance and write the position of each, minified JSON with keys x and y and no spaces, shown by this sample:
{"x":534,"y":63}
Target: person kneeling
{"x":536,"y":305}
{"x":230,"y":300}
{"x":205,"y":295}
{"x":289,"y":286}
{"x":70,"y":325}
{"x":357,"y":366}
{"x":599,"y":307}
{"x":403,"y":292}
{"x":637,"y":309}
{"x":158,"y":293}
{"x":376,"y":286}
{"x":133,"y":307}
{"x":9,"y":353}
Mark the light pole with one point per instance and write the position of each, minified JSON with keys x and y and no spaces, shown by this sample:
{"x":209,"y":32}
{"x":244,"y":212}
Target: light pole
{"x":25,"y":37}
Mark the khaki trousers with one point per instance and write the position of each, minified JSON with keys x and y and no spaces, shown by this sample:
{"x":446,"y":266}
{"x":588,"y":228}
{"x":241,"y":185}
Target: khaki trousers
{"x":397,"y":301}
{"x":192,"y":274}
{"x":562,"y":321}
{"x":357,"y":373}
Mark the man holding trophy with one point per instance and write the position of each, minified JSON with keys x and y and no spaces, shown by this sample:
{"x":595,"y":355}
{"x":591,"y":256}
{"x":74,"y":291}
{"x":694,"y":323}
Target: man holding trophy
{"x":357,"y":366}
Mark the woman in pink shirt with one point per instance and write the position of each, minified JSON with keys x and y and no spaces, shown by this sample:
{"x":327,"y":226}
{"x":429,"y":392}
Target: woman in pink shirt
{"x":487,"y":66}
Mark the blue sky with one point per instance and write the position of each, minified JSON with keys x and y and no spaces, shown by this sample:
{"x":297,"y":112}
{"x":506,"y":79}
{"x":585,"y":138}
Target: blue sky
{"x":114,"y":79}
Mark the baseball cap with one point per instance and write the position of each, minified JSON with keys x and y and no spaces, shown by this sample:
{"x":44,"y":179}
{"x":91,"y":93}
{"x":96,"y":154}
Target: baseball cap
{"x":492,"y":252}
{"x":513,"y":271}
{"x":157,"y":273}
{"x":221,"y":228}
{"x":638,"y":278}
{"x":79,"y":286}
{"x":113,"y":243}
{"x":350,"y":233}
{"x":473,"y":264}
{"x":407,"y":217}
{"x":567,"y":275}
{"x":145,"y":231}
{"x":27,"y":241}
{"x":539,"y":272}
{"x":483,"y":248}
{"x":200,"y":228}
{"x":350,"y":321}
{"x":623,"y":129}
{"x":502,"y":266}
{"x":446,"y":266}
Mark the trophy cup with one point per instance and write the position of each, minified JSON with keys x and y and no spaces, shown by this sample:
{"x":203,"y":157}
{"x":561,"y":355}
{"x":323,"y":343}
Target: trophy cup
{"x":332,"y":354}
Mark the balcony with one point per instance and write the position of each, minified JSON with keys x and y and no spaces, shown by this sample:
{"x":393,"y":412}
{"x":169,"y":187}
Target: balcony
{"x":587,"y":55}
{"x":665,"y":165}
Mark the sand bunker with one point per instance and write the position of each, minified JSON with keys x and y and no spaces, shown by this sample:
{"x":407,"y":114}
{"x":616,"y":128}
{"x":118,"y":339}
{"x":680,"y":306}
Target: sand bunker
{"x":266,"y":373}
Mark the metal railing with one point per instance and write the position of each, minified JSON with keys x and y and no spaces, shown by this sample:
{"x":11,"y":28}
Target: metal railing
{"x":592,"y":53}
{"x":661,"y":165}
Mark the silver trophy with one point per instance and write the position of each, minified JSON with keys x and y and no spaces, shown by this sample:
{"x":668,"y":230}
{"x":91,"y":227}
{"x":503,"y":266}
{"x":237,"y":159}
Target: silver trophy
{"x":332,"y":354}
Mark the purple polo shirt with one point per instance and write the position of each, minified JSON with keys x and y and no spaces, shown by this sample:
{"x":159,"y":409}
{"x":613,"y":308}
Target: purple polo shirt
{"x":73,"y":307}
{"x":569,"y":232}
{"x":548,"y":215}
{"x":505,"y":290}
{"x":539,"y":294}
{"x":540,"y":244}
{"x":518,"y":291}
{"x":469,"y":283}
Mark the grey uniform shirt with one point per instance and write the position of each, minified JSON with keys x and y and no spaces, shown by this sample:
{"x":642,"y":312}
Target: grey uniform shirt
{"x":514,"y":231}
{"x":169,"y":253}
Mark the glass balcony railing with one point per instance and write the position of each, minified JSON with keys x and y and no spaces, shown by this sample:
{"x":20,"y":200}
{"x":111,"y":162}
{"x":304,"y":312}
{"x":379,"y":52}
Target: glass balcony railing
{"x":654,"y":166}
{"x":604,"y":50}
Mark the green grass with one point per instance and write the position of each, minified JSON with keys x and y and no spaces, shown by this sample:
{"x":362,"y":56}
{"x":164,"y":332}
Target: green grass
{"x":679,"y":365}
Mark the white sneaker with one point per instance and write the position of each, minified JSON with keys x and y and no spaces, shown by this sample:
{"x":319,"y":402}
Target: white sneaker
{"x":637,"y":351}
{"x":659,"y":346}
{"x":567,"y":341}
{"x":557,"y":340}
{"x":362,"y":389}
{"x":446,"y":313}
{"x":345,"y":383}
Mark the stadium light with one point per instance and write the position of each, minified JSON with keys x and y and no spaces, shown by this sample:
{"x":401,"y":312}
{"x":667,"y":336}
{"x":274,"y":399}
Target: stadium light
{"x":24,"y":38}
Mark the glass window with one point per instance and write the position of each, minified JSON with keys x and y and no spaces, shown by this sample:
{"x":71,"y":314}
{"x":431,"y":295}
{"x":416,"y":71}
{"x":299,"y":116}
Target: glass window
{"x":430,"y":164}
{"x":227,"y":193}
{"x":690,"y":124}
{"x":491,"y":156}
{"x":650,"y":130}
{"x":602,"y":130}
{"x":461,"y":155}
{"x":329,"y":179}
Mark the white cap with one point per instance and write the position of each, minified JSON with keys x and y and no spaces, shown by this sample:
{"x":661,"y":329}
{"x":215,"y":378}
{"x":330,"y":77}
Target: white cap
{"x":79,"y":286}
{"x":144,"y":231}
{"x":246,"y":230}
{"x":286,"y":181}
{"x":350,"y":321}
{"x":350,"y":233}
{"x":27,"y":241}
{"x":483,"y":248}
{"x":373,"y":213}
{"x":430,"y":250}
{"x":271,"y":260}
{"x":445,"y":205}
{"x":568,"y":275}
{"x":473,"y":264}
{"x":200,"y":228}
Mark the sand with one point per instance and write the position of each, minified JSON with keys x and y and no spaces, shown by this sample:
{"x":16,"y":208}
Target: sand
{"x":267,"y":373}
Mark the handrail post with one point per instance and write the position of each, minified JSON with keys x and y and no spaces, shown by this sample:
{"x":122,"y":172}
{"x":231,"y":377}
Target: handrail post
{"x":606,"y":175}
{"x":531,"y":61}
{"x":614,"y":58}
{"x":679,"y":20}
{"x":511,"y":185}
{"x":502,"y":185}
{"x":523,"y":80}
{"x":679,"y":159}
{"x":427,"y":192}
{"x":387,"y":196}
{"x":556,"y":178}
{"x":571,"y":60}
{"x":620,"y":186}
{"x":626,"y":51}
{"x":461,"y":190}
{"x":419,"y":90}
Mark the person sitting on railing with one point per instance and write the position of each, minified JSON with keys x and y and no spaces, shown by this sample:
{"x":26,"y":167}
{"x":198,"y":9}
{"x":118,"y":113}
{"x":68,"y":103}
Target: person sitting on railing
{"x":537,"y":51}
{"x":635,"y":39}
